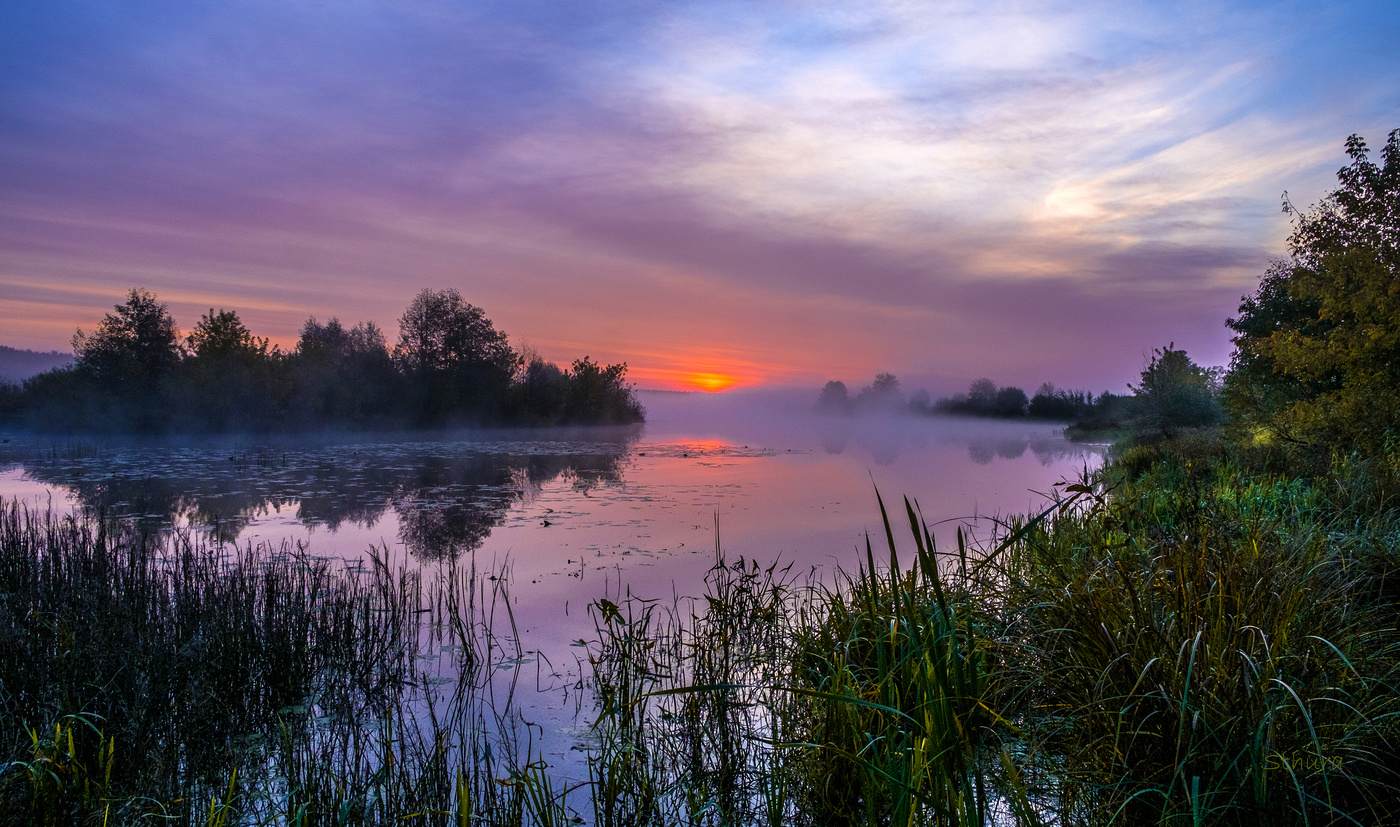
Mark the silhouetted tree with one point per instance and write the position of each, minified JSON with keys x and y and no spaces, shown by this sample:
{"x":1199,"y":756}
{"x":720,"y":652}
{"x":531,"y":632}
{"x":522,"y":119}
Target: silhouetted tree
{"x":344,"y":376}
{"x":881,"y":395}
{"x":127,"y":359}
{"x":599,"y":395}
{"x":540,"y":390}
{"x":229,"y":377}
{"x":982,"y":396}
{"x":451,"y":366}
{"x":1011,"y":402}
{"x":458,"y":364}
{"x":1317,"y":347}
{"x":11,"y":401}
{"x":834,"y":398}
{"x":1050,"y":402}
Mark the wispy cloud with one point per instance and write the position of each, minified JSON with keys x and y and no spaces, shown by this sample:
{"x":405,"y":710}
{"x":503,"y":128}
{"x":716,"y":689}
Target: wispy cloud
{"x":786,"y":190}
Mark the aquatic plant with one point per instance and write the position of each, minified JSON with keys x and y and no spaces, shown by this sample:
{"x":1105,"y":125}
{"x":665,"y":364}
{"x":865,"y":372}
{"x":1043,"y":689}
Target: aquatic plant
{"x":163,"y":675}
{"x":1184,"y":637}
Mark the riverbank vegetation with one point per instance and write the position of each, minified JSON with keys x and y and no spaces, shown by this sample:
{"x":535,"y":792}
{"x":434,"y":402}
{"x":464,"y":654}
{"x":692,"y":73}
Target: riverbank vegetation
{"x":1105,"y":412}
{"x":165,"y":678}
{"x":450,"y":367}
{"x":1205,"y":630}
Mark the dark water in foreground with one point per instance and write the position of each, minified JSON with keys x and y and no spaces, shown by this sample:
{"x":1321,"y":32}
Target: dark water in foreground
{"x":573,"y":515}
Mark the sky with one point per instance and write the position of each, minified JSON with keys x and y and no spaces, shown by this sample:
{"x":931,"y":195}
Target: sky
{"x":719,"y":194}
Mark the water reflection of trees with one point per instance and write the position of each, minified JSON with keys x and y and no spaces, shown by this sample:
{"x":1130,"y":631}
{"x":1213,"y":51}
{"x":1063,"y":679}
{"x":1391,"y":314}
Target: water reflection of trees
{"x":447,"y":497}
{"x":1045,"y":449}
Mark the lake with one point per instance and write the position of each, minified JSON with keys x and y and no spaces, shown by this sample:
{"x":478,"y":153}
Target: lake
{"x":570,"y":516}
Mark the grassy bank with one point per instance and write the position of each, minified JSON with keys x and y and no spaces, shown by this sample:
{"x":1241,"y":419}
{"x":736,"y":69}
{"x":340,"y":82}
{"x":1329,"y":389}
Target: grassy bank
{"x":1191,"y":636}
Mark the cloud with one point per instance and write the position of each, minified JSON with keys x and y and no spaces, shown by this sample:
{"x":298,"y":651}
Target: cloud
{"x":790,"y":190}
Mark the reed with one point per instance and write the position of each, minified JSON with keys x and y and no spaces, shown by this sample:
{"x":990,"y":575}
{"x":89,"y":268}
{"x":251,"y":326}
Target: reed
{"x":165,"y":676}
{"x":770,"y":701}
{"x":1194,"y":634}
{"x":1204,"y":644}
{"x":1189,"y":636}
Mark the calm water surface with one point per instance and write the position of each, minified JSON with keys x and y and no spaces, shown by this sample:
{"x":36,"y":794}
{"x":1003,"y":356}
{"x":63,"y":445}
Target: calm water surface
{"x":572,"y":515}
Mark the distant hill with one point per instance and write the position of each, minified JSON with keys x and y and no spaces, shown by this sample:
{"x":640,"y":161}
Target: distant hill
{"x":19,"y":365}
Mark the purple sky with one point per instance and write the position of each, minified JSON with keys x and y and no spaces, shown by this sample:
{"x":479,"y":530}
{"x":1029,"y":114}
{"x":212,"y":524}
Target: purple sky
{"x":782,"y":193}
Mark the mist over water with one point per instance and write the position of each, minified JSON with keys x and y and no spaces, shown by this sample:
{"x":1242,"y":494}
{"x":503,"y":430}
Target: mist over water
{"x":573,"y":515}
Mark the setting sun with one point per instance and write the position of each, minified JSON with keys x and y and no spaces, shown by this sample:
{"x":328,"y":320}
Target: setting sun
{"x":711,"y":382}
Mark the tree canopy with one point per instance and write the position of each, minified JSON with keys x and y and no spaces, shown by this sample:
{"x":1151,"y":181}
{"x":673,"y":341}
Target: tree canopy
{"x":440,"y":331}
{"x":451,"y":368}
{"x":1176,"y":393}
{"x":139,"y":343}
{"x":1317,"y":347}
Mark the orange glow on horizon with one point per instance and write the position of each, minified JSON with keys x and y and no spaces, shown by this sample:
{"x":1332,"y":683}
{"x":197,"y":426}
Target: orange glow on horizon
{"x":711,"y":382}
{"x":706,"y":375}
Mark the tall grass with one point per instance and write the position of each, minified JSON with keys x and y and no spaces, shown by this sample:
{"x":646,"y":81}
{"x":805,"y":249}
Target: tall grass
{"x":776,"y":702}
{"x":1187,"y":637}
{"x":1202,"y":644}
{"x":160,"y":676}
{"x":1193,"y":635}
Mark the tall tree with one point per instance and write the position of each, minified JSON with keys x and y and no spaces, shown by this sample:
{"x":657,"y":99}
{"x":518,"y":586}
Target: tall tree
{"x":459,"y":364}
{"x":343,"y":376}
{"x":137,"y":345}
{"x":834,"y":398}
{"x":1317,"y":347}
{"x":128,"y":359}
{"x":223,"y":335}
{"x":1176,"y":393}
{"x":599,"y":395}
{"x":229,"y":377}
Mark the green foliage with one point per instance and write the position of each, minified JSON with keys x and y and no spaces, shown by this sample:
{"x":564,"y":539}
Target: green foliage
{"x":1317,"y":359}
{"x":163,"y":679}
{"x":1203,"y":644}
{"x":898,"y":686}
{"x":1191,"y":636}
{"x":1176,"y":393}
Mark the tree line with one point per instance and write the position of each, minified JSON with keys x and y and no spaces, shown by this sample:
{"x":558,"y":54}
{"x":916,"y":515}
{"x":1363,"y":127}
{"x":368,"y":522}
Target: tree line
{"x":1316,"y":366}
{"x":450,"y":367}
{"x":984,"y":398}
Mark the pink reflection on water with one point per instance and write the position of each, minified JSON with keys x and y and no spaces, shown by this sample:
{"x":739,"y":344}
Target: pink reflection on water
{"x":761,"y":476}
